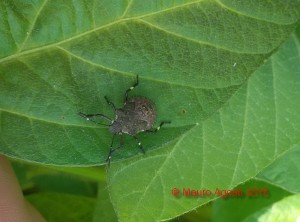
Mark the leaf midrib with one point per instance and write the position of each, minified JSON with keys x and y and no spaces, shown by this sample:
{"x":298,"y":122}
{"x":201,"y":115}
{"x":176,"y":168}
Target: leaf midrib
{"x":34,"y":118}
{"x":120,"y":20}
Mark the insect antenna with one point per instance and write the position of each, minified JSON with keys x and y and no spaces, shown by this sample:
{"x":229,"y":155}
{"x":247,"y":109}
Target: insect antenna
{"x":90,"y":117}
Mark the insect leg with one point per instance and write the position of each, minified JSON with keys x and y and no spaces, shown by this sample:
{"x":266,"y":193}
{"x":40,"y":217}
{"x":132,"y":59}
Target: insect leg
{"x":131,"y":88}
{"x":158,"y":128}
{"x":110,"y":103}
{"x":139,"y":144}
{"x":111,"y":151}
{"x":91,"y":116}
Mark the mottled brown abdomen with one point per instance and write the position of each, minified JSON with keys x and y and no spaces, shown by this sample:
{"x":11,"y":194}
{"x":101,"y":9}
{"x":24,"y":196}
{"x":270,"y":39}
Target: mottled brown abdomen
{"x":137,"y":115}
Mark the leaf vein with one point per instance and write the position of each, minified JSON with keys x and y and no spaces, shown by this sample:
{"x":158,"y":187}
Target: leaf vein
{"x":29,"y":32}
{"x":242,"y":139}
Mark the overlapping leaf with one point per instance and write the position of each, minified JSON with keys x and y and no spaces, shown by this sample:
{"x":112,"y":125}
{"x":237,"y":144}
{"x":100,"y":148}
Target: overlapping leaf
{"x":258,"y":124}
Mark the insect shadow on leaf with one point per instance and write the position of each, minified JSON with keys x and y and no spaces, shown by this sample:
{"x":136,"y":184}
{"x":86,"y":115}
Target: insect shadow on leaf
{"x":137,"y":115}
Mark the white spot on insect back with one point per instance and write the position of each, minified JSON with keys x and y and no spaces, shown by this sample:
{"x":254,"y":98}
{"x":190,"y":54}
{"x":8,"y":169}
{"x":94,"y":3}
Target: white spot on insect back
{"x":139,"y":143}
{"x":131,"y":88}
{"x":234,"y":64}
{"x":87,"y":118}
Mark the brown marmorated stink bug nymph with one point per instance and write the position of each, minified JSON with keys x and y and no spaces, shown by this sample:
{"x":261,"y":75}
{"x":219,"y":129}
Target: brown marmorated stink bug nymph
{"x":137,"y":115}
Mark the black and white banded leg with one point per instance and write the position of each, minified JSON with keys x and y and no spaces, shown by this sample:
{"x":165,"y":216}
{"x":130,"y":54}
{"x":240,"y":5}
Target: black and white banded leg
{"x":111,"y":151}
{"x":110,"y":103}
{"x":139,"y":144}
{"x":131,"y":88}
{"x":158,"y":128}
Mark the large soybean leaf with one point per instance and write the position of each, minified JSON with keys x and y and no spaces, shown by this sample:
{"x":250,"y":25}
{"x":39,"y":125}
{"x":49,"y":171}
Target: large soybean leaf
{"x":59,"y":58}
{"x":259,"y":123}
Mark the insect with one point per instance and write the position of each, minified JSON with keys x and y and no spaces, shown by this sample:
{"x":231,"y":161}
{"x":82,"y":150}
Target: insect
{"x":137,"y":115}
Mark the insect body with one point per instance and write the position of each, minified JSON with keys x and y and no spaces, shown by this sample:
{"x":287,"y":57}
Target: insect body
{"x":137,"y":115}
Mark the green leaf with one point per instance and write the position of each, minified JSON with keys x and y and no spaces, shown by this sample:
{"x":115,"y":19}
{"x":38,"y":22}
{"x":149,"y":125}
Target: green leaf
{"x":237,"y":209}
{"x":257,"y":125}
{"x":34,"y":178}
{"x":285,"y":171}
{"x":287,"y":210}
{"x":60,"y":58}
{"x":43,"y":184}
{"x":104,"y":210}
{"x":58,"y":207}
{"x":194,"y":58}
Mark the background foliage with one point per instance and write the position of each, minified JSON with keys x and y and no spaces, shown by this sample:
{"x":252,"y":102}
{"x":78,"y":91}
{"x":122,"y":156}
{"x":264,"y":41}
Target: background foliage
{"x":225,"y":73}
